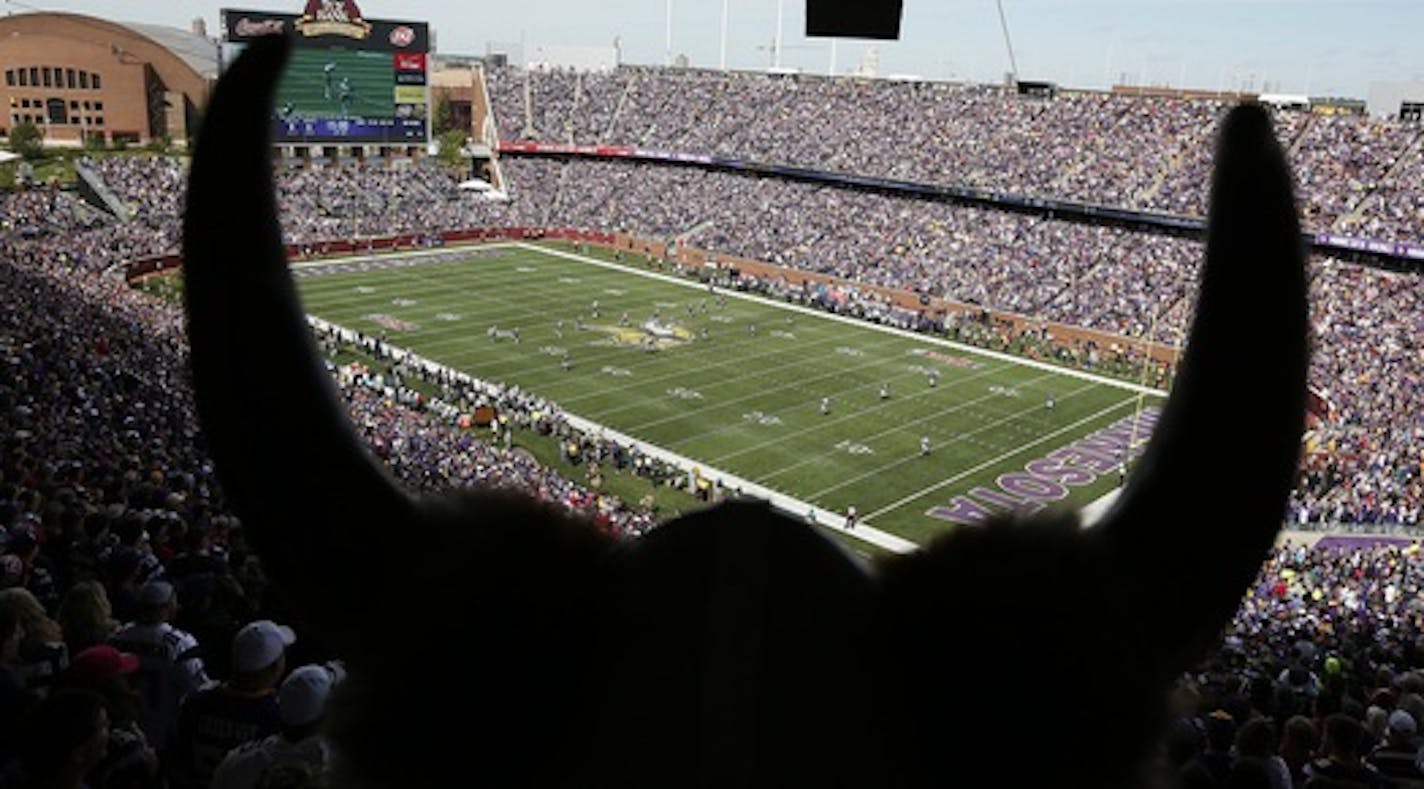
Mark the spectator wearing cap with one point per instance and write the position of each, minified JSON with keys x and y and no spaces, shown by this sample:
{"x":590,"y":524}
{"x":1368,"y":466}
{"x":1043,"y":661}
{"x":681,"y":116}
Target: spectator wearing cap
{"x":1395,"y":758}
{"x":302,"y":698}
{"x":1216,"y":760}
{"x":85,"y":616}
{"x":130,"y":761}
{"x":42,"y":651}
{"x":215,"y":720}
{"x":63,"y":739}
{"x":1341,"y":764}
{"x":170,"y":662}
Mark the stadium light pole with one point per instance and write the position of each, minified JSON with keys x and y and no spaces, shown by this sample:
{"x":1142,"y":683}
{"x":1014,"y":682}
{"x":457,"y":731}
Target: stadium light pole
{"x":776,"y":45}
{"x":1009,"y":45}
{"x":668,"y":31}
{"x":722,"y":61}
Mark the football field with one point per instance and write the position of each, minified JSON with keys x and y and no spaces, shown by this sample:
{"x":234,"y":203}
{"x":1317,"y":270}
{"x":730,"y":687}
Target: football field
{"x":830,"y":411}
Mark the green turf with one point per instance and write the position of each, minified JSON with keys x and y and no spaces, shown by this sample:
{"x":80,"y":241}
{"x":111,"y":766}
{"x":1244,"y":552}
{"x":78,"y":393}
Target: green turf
{"x":358,"y":84}
{"x":743,"y":403}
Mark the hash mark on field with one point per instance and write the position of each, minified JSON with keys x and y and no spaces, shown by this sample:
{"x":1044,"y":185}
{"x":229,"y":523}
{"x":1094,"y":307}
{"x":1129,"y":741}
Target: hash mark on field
{"x":448,"y":316}
{"x":615,"y":292}
{"x":527,"y":270}
{"x":616,"y":372}
{"x":683,"y":393}
{"x":364,"y":289}
{"x":404,"y":302}
{"x":853,"y":448}
{"x":569,"y":280}
{"x":761,"y":418}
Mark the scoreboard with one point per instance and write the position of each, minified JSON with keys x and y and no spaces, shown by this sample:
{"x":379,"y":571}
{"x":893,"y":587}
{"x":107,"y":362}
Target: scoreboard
{"x":349,"y":80}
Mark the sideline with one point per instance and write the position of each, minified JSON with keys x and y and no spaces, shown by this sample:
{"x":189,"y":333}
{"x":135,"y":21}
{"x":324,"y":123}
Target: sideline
{"x":782,"y":501}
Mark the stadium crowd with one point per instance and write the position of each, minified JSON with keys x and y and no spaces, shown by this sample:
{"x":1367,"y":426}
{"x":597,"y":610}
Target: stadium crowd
{"x":1360,"y":471}
{"x":136,"y":638}
{"x":1141,"y":152}
{"x":119,"y":561}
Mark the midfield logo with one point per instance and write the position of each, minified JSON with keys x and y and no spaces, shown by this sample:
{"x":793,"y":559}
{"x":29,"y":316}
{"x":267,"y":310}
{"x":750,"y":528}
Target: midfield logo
{"x":333,"y":18}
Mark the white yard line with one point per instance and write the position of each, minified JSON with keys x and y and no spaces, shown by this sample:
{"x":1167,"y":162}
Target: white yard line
{"x":1001,"y":458}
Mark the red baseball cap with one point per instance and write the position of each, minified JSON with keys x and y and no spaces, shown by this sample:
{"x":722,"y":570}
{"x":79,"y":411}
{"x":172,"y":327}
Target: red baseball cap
{"x":98,"y":664}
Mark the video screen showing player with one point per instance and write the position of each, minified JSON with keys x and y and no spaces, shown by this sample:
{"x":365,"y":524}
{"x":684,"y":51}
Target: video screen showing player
{"x":337,"y":84}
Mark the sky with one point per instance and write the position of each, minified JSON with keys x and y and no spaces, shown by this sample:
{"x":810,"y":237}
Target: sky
{"x":1316,"y":47}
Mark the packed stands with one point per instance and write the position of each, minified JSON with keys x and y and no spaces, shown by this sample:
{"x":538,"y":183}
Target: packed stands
{"x":1140,"y":152}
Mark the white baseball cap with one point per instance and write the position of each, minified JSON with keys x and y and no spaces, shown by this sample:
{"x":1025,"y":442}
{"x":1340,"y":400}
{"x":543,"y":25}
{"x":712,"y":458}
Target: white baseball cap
{"x":302,"y":697}
{"x":258,"y":645}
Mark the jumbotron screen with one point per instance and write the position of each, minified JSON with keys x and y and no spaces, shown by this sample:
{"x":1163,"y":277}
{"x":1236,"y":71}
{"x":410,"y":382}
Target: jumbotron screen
{"x":349,"y":80}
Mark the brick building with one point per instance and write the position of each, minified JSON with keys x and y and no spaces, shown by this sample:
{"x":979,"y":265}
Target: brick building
{"x":75,"y":76}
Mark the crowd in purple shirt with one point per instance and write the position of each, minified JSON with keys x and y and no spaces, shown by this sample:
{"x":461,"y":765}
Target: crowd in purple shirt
{"x":1141,"y":152}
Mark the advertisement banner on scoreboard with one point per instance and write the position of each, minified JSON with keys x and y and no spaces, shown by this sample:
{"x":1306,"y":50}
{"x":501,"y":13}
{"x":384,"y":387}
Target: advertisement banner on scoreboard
{"x":329,"y":23}
{"x":410,"y":62}
{"x":410,"y":94}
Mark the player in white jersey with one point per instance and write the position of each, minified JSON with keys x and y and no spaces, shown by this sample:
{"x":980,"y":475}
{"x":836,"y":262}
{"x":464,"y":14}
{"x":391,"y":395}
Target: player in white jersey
{"x":825,"y":406}
{"x":924,"y":445}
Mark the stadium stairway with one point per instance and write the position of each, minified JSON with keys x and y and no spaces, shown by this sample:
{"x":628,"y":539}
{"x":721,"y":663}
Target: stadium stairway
{"x":94,"y":190}
{"x":692,"y":231}
{"x":618,"y":108}
{"x":1411,"y":153}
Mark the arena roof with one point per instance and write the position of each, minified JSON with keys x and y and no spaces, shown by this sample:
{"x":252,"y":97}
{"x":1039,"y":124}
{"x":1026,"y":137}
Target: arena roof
{"x":201,"y":54}
{"x":186,"y":61}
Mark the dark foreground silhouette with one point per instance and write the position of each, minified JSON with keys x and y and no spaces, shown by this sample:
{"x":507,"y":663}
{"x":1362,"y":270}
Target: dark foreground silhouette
{"x":736,"y":647}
